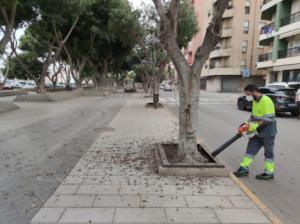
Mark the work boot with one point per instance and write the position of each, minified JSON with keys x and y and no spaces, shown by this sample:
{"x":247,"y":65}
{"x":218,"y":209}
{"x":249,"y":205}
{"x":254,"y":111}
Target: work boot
{"x":265,"y":176}
{"x":241,"y":172}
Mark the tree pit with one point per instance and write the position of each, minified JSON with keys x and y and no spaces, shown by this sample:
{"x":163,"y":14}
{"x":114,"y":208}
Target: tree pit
{"x":169,"y":164}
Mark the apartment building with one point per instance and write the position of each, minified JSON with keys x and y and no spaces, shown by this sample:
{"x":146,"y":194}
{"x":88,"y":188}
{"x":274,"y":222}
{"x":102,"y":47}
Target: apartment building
{"x":282,"y":35}
{"x":233,"y":63}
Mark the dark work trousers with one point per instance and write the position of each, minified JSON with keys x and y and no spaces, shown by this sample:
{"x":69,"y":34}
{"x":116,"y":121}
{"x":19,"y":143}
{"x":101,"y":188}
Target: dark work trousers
{"x":256,"y":143}
{"x":298,"y":109}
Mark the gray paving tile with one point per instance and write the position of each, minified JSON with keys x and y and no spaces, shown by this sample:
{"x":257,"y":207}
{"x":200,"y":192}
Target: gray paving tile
{"x":241,"y":216}
{"x":66,"y":189}
{"x":70,"y":201}
{"x":88,"y":215}
{"x":117,"y":201}
{"x":130,"y":189}
{"x":161,"y":201}
{"x":222,"y":190}
{"x":45,"y":215}
{"x":98,"y":189}
{"x":241,"y":201}
{"x":139,"y":215}
{"x":201,"y":201}
{"x":191,"y":215}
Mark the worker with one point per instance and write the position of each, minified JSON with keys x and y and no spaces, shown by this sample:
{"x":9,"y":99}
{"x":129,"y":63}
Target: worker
{"x":262,"y":124}
{"x":298,"y":102}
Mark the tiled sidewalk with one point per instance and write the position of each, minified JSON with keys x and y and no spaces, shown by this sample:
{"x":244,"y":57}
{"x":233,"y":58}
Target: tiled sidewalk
{"x":116,"y":181}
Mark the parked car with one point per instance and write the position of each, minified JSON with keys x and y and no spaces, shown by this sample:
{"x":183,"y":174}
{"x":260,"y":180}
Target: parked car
{"x":167,"y":87}
{"x":162,"y":86}
{"x":283,"y":98}
{"x":60,"y":85}
{"x":29,"y":85}
{"x":281,"y":85}
{"x":8,"y":85}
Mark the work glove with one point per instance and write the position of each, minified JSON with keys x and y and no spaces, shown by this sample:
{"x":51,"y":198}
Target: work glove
{"x":253,"y":126}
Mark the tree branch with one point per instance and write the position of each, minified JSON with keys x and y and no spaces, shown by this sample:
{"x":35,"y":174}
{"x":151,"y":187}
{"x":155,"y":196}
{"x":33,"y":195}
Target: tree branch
{"x":173,"y":15}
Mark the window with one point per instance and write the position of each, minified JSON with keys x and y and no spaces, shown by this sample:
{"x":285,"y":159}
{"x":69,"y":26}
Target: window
{"x":246,"y":26}
{"x":247,"y":6}
{"x":244,"y":46}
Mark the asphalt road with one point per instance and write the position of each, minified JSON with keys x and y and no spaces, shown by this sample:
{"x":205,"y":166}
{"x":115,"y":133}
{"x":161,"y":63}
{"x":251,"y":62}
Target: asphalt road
{"x":40,"y":144}
{"x":218,"y":121}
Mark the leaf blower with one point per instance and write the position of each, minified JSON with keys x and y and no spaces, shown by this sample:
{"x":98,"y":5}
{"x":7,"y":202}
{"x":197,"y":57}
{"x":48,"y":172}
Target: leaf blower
{"x":243,"y":131}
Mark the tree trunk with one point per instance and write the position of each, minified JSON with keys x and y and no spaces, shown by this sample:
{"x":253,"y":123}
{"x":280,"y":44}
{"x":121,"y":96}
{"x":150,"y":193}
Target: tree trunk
{"x":41,"y":85}
{"x":156,"y":91}
{"x":188,"y":121}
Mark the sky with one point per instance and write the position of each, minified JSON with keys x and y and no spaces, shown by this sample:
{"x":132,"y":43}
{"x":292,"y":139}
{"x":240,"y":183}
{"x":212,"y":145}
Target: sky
{"x":138,"y":3}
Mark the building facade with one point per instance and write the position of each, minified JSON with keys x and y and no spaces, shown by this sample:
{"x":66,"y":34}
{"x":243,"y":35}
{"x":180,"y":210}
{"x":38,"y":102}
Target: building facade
{"x":232,"y":64}
{"x":282,"y":35}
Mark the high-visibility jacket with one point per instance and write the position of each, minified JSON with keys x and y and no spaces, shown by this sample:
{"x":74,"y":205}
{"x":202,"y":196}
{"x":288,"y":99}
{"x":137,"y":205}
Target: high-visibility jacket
{"x":264,"y":109}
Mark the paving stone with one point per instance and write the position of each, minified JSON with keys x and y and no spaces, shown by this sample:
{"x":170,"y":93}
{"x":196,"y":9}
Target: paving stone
{"x":191,"y":215}
{"x":161,"y":201}
{"x":208,"y":202}
{"x":70,"y":201}
{"x":45,"y":215}
{"x":118,"y":201}
{"x":130,"y":189}
{"x":74,"y":179}
{"x":88,"y":215}
{"x":241,"y":216}
{"x":98,"y":189}
{"x":241,"y":202}
{"x":222,"y":190}
{"x":66,"y":189}
{"x":139,"y":215}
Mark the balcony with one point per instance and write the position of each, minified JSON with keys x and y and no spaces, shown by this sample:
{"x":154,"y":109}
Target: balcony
{"x":290,"y":52}
{"x":266,"y":33}
{"x":223,"y":70}
{"x":265,"y":57}
{"x":229,"y":13}
{"x":227,"y":32}
{"x":287,"y":59}
{"x":221,"y":52}
{"x":267,"y":29}
{"x":269,"y":8}
{"x":290,"y":19}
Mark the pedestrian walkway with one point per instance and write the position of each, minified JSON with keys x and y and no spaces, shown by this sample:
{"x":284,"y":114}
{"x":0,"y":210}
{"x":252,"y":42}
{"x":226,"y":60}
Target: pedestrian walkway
{"x":116,"y":181}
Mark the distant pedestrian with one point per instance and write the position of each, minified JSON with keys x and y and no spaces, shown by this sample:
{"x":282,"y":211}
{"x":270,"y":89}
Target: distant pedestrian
{"x":298,"y":102}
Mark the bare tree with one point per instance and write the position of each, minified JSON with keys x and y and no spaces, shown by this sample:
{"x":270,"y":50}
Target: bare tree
{"x":189,"y":76}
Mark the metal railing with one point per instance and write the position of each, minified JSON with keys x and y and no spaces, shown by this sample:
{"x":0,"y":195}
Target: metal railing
{"x":268,"y":29}
{"x":265,"y":57}
{"x":290,"y":19}
{"x":289,"y":52}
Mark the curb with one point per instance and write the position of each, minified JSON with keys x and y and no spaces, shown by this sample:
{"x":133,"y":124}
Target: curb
{"x":265,"y":210}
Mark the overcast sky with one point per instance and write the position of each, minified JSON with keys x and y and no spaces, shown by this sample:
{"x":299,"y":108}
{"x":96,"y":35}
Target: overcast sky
{"x":138,"y":3}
